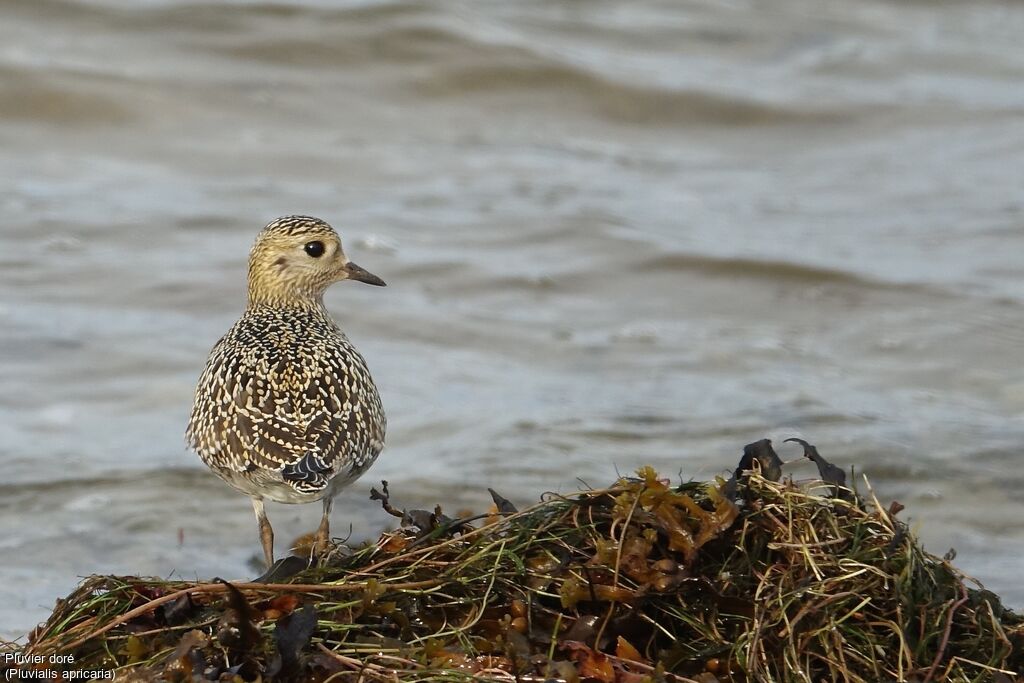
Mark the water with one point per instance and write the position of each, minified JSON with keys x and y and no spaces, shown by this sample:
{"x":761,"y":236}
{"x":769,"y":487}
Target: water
{"x":614,"y":234}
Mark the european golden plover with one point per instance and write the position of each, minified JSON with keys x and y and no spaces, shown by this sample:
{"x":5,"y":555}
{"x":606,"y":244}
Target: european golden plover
{"x":286,"y":409}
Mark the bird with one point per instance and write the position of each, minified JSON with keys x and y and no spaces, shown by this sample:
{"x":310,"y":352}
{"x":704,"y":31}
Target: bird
{"x":285,"y":409}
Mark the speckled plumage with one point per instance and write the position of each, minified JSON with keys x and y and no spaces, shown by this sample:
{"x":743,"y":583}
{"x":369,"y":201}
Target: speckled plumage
{"x":286,"y":408}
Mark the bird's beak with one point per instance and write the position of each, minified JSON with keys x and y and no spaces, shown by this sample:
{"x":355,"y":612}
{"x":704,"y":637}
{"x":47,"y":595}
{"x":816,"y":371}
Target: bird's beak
{"x":355,"y":272}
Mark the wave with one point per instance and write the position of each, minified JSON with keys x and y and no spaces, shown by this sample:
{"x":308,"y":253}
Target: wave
{"x":439,"y":57}
{"x":774,"y":270}
{"x":64,"y":98}
{"x":40,"y":492}
{"x":612,"y":99}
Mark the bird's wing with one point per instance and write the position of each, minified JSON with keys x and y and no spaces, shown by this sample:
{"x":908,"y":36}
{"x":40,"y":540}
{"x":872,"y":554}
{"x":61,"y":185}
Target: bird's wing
{"x":292,"y":423}
{"x":297,"y":418}
{"x":244,"y":419}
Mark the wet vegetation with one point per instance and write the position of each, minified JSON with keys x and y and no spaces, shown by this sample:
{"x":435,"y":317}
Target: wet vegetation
{"x":742,"y":580}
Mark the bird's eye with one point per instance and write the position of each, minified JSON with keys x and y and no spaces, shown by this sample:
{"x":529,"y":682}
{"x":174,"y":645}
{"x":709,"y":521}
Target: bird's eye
{"x":314,"y":249}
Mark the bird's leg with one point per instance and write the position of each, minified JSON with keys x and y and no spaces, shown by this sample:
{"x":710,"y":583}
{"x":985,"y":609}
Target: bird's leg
{"x":266,"y":532}
{"x":323,"y":533}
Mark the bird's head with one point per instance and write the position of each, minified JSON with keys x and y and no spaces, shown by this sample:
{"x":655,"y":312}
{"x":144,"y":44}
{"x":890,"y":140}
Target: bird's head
{"x":295,"y":259}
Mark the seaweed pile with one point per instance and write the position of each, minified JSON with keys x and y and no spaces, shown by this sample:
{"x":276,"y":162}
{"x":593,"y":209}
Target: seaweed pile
{"x":751,"y":579}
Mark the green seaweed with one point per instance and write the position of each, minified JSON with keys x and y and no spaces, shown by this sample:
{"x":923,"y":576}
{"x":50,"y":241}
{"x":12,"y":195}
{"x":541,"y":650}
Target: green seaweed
{"x":639,"y":581}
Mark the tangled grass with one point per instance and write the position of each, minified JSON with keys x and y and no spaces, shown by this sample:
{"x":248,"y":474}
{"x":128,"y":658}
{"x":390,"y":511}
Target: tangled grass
{"x":639,"y":581}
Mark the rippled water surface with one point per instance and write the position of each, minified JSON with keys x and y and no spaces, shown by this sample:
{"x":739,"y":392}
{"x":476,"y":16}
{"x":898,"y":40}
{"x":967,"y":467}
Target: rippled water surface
{"x":614,"y":234}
